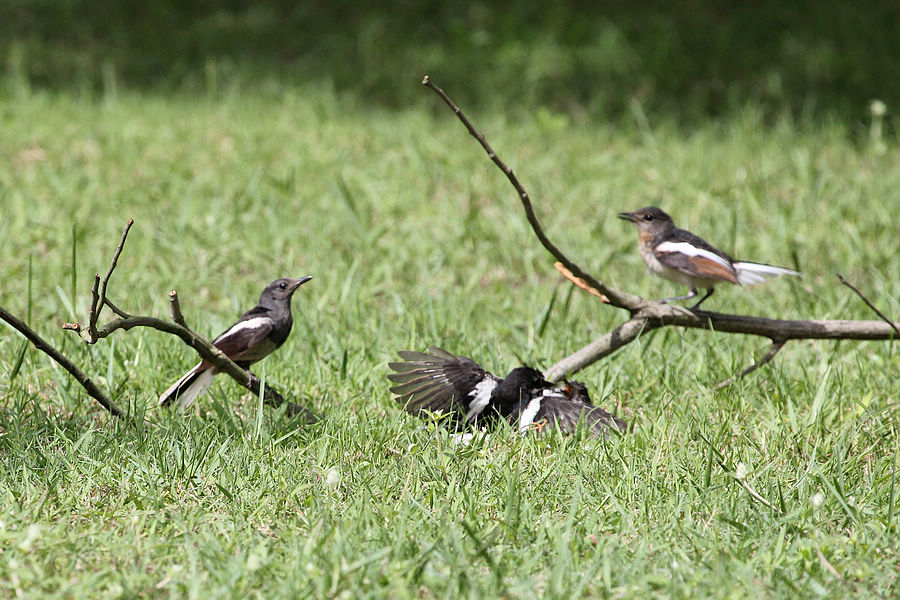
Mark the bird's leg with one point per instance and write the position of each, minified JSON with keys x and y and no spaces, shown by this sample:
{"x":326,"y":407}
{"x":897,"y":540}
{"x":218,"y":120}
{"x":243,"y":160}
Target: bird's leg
{"x":693,"y":294}
{"x":709,"y":292}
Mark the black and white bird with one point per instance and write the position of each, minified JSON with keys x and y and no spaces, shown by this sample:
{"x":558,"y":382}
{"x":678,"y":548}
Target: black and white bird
{"x":259,"y":332}
{"x":680,"y":256}
{"x":440,"y":382}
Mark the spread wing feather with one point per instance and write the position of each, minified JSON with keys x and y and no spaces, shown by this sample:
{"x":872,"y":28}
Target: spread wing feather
{"x":438,"y":381}
{"x":558,"y":412}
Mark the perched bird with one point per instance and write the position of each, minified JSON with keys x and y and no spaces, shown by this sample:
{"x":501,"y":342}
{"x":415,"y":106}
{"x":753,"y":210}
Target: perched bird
{"x":258,"y":333}
{"x":680,"y":256}
{"x":441,"y":382}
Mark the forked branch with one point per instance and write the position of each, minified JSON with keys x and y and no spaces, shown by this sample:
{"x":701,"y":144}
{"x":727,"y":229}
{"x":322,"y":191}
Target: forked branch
{"x":47,"y":348}
{"x":647,"y":315}
{"x":179,"y":328}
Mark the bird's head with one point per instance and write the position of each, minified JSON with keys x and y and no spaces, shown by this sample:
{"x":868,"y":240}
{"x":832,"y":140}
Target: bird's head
{"x":650,"y":220}
{"x":577,"y":391}
{"x":281,"y":290}
{"x":519,"y":385}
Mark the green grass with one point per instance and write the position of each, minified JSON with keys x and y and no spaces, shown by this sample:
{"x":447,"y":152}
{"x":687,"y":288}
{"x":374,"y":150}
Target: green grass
{"x":414,"y":238}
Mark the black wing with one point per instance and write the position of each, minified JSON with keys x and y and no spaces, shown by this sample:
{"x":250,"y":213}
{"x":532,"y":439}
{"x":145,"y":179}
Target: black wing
{"x":245,"y":340}
{"x":553,"y":410}
{"x":438,"y":381}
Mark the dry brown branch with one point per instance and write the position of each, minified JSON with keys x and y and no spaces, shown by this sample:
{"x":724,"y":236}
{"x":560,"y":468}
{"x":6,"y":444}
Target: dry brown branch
{"x":647,"y":315}
{"x":579,"y":282}
{"x":176,"y":308}
{"x":45,"y":347}
{"x":869,"y":303}
{"x":616,"y":298}
{"x":179,"y":328}
{"x":777,"y":345}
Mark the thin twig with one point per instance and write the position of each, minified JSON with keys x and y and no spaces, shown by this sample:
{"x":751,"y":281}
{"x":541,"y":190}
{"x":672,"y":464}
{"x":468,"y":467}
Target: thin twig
{"x":96,"y":307}
{"x":579,"y":282}
{"x":45,"y":347}
{"x":115,"y":259}
{"x":869,"y":304}
{"x":776,"y":346}
{"x":622,"y":335}
{"x":616,"y":297}
{"x":119,"y":312}
{"x":176,"y":308}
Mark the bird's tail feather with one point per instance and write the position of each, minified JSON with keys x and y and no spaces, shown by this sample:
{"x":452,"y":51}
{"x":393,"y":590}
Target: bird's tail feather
{"x":189,"y":387}
{"x":749,"y":273}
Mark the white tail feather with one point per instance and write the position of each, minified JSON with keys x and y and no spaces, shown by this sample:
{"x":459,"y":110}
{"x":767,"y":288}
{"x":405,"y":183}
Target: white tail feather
{"x":195,"y":389}
{"x":186,"y":394}
{"x":749,"y":273}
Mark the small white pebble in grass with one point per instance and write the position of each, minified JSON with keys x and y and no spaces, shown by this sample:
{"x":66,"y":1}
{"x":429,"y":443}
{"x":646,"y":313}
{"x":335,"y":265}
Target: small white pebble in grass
{"x":333,"y":478}
{"x":741,"y":471}
{"x":877,"y":108}
{"x":31,"y":535}
{"x":254,"y":561}
{"x":818,"y":499}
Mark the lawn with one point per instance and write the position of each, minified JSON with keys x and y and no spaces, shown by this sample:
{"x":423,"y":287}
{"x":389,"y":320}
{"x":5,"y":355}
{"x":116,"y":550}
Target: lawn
{"x":415,"y":239}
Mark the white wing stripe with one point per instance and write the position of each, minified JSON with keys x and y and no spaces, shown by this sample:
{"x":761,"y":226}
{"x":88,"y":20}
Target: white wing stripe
{"x":689,"y":249}
{"x":254,"y":323}
{"x":481,"y":397}
{"x":527,"y":416}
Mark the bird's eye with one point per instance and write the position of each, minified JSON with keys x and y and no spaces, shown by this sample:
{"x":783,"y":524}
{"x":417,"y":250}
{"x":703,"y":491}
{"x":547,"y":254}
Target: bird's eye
{"x":282,"y":285}
{"x":648,"y":217}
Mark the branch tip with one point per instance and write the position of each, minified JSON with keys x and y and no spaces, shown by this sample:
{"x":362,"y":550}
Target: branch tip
{"x":880,"y":314}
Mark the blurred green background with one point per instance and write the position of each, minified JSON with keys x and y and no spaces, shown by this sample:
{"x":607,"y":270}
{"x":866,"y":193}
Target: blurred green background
{"x":688,"y":59}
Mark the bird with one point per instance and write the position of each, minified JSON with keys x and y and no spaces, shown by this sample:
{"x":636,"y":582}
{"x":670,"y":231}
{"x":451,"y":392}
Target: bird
{"x":440,"y":382}
{"x":680,"y":256}
{"x":256,"y":334}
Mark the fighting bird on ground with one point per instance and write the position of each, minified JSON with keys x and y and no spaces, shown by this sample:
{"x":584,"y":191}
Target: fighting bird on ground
{"x":680,"y":256}
{"x":440,"y":382}
{"x":256,"y":334}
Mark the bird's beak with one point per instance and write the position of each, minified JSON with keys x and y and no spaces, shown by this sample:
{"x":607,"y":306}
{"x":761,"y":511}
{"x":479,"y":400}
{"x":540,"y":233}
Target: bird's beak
{"x":628,"y":216}
{"x":298,"y":282}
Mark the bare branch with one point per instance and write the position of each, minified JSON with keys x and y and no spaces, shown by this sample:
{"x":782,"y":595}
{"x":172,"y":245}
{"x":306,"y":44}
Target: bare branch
{"x":656,"y":315}
{"x":45,"y":347}
{"x":579,"y":282}
{"x":115,"y":259}
{"x":616,"y":297}
{"x":211,"y":354}
{"x":647,"y":315}
{"x":96,"y":307}
{"x":620,"y":336}
{"x":869,"y":304}
{"x":179,"y":328}
{"x":776,"y":346}
{"x":121,"y":313}
{"x":176,"y":308}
